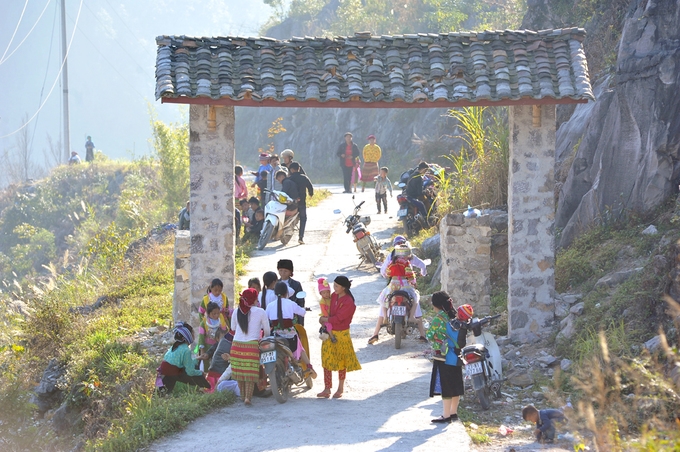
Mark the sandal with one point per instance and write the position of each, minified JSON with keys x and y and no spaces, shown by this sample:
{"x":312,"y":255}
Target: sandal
{"x":441,"y":420}
{"x":337,"y":395}
{"x":373,"y":340}
{"x":326,"y":393}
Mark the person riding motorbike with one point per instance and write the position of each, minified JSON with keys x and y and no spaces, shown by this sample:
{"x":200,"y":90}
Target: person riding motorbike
{"x":399,"y":270}
{"x":414,"y":189}
{"x":281,"y":313}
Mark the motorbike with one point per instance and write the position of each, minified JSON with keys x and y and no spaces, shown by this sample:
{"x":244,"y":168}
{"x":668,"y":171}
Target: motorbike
{"x":281,"y":219}
{"x":482,"y":361}
{"x":283,"y":370}
{"x":399,"y":304}
{"x":365,"y":242}
{"x":408,"y":212}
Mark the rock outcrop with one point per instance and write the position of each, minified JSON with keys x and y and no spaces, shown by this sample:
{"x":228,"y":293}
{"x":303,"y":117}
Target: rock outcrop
{"x":623,"y":150}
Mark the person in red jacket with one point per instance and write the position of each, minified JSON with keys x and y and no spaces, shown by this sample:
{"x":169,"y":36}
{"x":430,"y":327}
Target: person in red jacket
{"x":338,"y":355}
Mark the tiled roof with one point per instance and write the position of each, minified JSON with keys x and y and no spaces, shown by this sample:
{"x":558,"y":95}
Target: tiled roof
{"x":497,"y":67}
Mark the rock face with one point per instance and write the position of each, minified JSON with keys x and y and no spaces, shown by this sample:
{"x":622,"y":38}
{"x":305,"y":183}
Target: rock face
{"x":47,"y":394}
{"x":627,"y":143}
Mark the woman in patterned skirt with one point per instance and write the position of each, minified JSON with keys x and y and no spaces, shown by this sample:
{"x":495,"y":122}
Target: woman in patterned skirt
{"x":371,"y":155}
{"x":248,"y":321}
{"x":339,"y":355}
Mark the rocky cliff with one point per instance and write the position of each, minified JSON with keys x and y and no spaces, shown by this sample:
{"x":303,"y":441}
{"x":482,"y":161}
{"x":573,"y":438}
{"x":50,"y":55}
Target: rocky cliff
{"x":621,"y":153}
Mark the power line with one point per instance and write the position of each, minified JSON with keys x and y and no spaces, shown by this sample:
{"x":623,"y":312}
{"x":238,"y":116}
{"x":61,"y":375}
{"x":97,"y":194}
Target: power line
{"x":15,"y":31}
{"x":116,"y":41}
{"x":2,"y":60}
{"x":47,"y":68}
{"x":61,"y":68}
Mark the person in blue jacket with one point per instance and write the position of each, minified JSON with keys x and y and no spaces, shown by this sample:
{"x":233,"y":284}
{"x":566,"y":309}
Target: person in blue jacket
{"x":447,"y":372}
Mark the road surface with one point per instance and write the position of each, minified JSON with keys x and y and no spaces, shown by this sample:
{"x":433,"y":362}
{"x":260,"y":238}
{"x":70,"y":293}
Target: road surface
{"x":385,"y":405}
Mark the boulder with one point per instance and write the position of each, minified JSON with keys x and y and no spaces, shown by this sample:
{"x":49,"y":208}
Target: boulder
{"x":430,"y":247}
{"x":571,"y":298}
{"x":634,"y":119}
{"x":47,"y":394}
{"x":653,"y":344}
{"x":521,"y":379}
{"x":577,"y":309}
{"x":561,"y":308}
{"x":616,"y":278}
{"x":565,"y":364}
{"x":650,"y":230}
{"x":64,"y":418}
{"x":567,"y":327}
{"x":548,"y":360}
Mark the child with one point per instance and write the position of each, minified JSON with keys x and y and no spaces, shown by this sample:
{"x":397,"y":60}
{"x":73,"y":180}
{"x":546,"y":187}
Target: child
{"x":218,"y":297}
{"x":246,"y":211}
{"x":240,"y":187}
{"x":262,"y":184}
{"x":178,"y":364}
{"x":211,"y":328}
{"x":382,"y":184}
{"x":545,"y":429}
{"x":326,"y":330}
{"x":253,"y":231}
{"x":356,"y":174}
{"x":272,"y":183}
{"x":254,"y":205}
{"x":254,"y":283}
{"x":264,"y":166}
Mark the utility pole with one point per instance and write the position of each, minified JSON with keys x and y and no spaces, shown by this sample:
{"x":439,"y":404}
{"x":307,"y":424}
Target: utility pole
{"x":64,"y":75}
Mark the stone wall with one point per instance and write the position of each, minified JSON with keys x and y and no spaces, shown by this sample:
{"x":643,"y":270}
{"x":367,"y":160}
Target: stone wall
{"x":211,"y":148}
{"x":465,"y":246}
{"x":531,"y":217}
{"x":181,"y":299}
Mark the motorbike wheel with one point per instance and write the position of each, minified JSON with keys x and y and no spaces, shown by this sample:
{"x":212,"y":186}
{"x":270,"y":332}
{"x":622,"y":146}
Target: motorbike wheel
{"x":483,"y":396}
{"x":279,"y":389}
{"x":398,"y":327}
{"x":309,"y":382}
{"x":369,"y":256}
{"x":265,"y":236}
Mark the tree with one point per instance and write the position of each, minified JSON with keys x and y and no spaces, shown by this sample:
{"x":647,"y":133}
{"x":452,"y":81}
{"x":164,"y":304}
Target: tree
{"x":171,"y":143}
{"x":18,"y":161}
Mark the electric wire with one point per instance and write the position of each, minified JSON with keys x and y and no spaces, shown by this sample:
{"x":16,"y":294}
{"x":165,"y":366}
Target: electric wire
{"x":47,"y":68}
{"x":116,"y":41}
{"x":61,"y":68}
{"x":15,"y":31}
{"x":28,"y":34}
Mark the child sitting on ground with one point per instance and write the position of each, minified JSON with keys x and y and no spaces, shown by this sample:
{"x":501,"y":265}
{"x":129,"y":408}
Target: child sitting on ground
{"x":178,"y":364}
{"x":253,"y":232}
{"x":545,"y":428}
{"x":326,"y":330}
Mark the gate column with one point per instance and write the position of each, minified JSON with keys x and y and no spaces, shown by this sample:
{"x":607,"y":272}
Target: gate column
{"x":531,"y":218}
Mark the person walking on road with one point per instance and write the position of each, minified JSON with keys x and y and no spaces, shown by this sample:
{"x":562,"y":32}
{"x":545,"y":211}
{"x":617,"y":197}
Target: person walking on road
{"x":304,"y":186}
{"x":347,"y":152}
{"x":371,"y":154}
{"x":339,"y":355}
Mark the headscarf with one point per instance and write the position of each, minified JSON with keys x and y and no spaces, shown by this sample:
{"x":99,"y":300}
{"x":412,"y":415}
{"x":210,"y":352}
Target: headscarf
{"x":247,"y":299}
{"x":182,"y":330}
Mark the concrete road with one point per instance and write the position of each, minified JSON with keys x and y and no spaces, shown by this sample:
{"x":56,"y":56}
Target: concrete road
{"x":385,"y":405}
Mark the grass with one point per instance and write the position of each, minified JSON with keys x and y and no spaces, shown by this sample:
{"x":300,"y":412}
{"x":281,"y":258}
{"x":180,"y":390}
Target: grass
{"x":319,"y":195}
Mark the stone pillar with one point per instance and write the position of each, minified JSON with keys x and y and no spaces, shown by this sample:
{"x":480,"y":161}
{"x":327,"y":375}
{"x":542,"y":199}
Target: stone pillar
{"x":211,"y":148}
{"x":531,"y":217}
{"x":465,"y":245}
{"x":181,"y":299}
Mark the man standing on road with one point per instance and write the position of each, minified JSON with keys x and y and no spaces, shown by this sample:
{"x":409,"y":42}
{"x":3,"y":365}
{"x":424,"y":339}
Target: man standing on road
{"x":304,"y":186}
{"x":347,"y":152}
{"x":414,"y":189}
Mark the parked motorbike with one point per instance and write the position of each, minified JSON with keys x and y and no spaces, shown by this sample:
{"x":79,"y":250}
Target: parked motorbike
{"x":482,"y":361}
{"x":280,"y":220}
{"x":408,"y":212}
{"x":283,"y":370}
{"x":366,"y":244}
{"x":399,"y":323}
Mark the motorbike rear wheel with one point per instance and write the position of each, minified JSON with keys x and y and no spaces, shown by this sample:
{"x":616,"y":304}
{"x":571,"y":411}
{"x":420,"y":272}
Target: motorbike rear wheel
{"x":483,"y":396}
{"x":265,"y":236}
{"x":276,"y":380}
{"x":398,"y":327}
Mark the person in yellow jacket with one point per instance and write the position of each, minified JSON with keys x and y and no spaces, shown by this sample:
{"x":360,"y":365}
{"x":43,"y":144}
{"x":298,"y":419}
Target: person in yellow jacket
{"x":371,"y":169}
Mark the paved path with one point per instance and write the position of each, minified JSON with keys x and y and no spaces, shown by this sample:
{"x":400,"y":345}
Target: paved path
{"x":385,"y":405}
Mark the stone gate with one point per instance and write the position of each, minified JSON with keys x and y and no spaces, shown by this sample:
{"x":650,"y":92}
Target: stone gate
{"x":527,"y":70}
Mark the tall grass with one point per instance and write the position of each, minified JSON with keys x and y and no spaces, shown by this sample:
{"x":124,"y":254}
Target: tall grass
{"x":480,"y":169}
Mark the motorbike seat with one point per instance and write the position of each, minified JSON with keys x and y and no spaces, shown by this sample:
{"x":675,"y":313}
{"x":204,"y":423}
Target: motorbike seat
{"x":290,"y":212}
{"x":474,"y":348}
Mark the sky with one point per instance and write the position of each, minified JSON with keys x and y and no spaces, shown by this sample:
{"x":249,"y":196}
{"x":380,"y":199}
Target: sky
{"x":111,"y":66}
